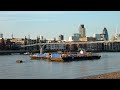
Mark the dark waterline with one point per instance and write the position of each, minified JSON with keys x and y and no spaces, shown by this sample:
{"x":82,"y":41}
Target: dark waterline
{"x":40,"y":69}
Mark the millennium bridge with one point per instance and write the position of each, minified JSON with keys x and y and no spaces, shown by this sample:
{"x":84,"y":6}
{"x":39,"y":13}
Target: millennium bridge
{"x":90,"y":46}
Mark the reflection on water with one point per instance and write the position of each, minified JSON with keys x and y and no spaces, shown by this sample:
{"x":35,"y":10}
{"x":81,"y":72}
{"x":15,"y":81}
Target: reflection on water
{"x":40,"y":69}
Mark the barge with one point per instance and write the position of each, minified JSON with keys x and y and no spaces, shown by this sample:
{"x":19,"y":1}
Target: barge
{"x":82,"y":55}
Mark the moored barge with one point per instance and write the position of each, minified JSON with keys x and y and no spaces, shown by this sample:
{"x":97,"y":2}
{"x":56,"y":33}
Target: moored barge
{"x":82,"y":55}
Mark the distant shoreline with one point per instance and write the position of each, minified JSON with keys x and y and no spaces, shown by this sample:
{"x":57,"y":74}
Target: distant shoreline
{"x":8,"y":52}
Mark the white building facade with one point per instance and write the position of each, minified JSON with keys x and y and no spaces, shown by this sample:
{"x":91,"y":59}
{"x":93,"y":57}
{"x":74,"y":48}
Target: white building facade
{"x":55,"y":47}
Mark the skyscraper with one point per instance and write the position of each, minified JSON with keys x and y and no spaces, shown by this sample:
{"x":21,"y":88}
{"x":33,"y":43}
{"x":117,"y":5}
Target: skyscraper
{"x":82,"y":30}
{"x":61,"y":37}
{"x":77,"y":36}
{"x":41,"y":37}
{"x":12,"y":36}
{"x":25,"y":41}
{"x":105,"y":33}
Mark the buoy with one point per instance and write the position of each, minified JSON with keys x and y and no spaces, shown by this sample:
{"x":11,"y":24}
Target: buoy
{"x":19,"y":61}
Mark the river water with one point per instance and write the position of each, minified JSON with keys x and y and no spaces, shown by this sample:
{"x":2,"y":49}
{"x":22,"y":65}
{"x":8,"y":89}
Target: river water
{"x":40,"y":69}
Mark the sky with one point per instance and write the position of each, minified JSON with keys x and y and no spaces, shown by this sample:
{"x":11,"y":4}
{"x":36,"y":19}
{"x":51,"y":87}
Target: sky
{"x":51,"y":24}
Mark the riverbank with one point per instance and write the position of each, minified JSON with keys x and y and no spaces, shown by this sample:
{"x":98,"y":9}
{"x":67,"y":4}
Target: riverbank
{"x":10,"y":52}
{"x":112,"y":75}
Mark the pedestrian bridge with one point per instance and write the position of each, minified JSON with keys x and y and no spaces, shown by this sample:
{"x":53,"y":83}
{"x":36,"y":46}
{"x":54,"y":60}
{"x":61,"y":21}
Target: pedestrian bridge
{"x":42,"y":44}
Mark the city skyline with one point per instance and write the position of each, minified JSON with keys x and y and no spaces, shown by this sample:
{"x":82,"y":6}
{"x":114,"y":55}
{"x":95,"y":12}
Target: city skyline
{"x":51,"y":24}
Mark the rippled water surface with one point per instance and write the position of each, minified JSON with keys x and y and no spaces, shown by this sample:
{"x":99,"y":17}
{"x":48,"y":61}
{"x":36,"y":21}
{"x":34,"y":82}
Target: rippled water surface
{"x":40,"y":69}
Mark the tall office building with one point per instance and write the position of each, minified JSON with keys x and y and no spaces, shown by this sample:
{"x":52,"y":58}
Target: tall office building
{"x":98,"y":37}
{"x":77,"y":36}
{"x":41,"y":37}
{"x":12,"y":36}
{"x":1,"y":35}
{"x":25,"y":41}
{"x":105,"y":33}
{"x":61,"y":37}
{"x":28,"y":36}
{"x":82,"y":30}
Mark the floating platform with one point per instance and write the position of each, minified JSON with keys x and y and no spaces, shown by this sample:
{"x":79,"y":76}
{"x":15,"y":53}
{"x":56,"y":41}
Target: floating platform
{"x":64,"y":57}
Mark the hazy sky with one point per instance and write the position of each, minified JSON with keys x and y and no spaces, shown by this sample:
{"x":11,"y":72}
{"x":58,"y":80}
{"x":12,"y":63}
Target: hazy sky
{"x":52,"y":23}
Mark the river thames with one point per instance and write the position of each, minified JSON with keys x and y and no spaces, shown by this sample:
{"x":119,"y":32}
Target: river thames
{"x":41,"y":69}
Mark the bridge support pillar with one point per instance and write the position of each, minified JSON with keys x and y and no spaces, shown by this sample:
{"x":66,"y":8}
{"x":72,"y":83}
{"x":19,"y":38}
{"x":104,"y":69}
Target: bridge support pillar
{"x":41,"y":49}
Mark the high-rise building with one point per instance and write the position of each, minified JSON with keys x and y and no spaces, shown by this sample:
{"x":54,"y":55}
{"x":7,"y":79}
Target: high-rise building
{"x":25,"y":41}
{"x":105,"y":33}
{"x":71,"y":38}
{"x":98,"y":37}
{"x":12,"y":36}
{"x":38,"y":39}
{"x":77,"y":36}
{"x":41,"y":37}
{"x":61,"y":37}
{"x":82,"y":30}
{"x":28,"y":36}
{"x":1,"y":35}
